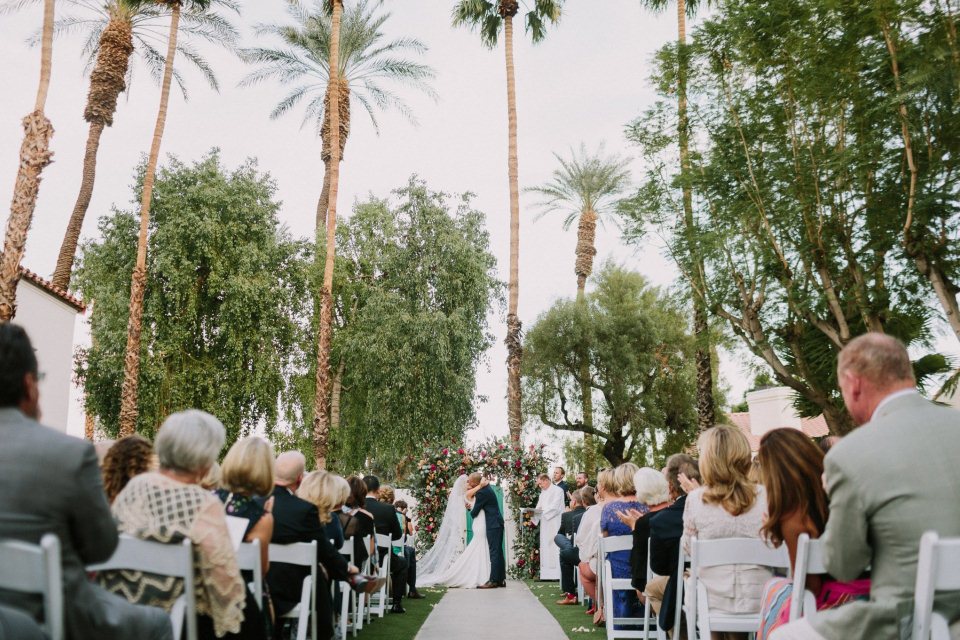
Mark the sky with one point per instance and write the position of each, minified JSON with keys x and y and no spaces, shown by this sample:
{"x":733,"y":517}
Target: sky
{"x":584,"y":83}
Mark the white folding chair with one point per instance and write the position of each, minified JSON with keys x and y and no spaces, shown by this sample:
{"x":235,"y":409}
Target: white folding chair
{"x":248,"y":559}
{"x":610,"y":545}
{"x":35,"y":568}
{"x":370,"y":566}
{"x":648,"y":614}
{"x":163,"y":559}
{"x":303,"y":554}
{"x":351,"y":606}
{"x":809,"y":562}
{"x":381,"y":599}
{"x":938,"y":569}
{"x":721,"y":552}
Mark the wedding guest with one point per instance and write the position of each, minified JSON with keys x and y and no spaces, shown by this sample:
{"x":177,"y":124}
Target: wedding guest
{"x":211,"y":481}
{"x":889,"y":481}
{"x":296,"y":520}
{"x":625,"y":499}
{"x":168,"y":506}
{"x":386,"y":523}
{"x":582,"y":480}
{"x":588,"y":538}
{"x":357,"y":522}
{"x":565,"y":539}
{"x":652,"y":490}
{"x":666,"y":531}
{"x":51,"y":484}
{"x":328,"y":494}
{"x":729,"y":505}
{"x":408,"y":551}
{"x":246,"y":481}
{"x":558,"y":479}
{"x":791,"y":470}
{"x":128,"y":457}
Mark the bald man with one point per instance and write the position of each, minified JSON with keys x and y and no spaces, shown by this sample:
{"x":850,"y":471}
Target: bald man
{"x":889,"y":481}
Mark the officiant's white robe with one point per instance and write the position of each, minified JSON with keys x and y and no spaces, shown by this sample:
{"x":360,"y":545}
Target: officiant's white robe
{"x":549,"y":510}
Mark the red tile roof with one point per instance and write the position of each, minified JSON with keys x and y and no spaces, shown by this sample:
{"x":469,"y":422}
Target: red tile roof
{"x":813,"y":427}
{"x":56,"y":292}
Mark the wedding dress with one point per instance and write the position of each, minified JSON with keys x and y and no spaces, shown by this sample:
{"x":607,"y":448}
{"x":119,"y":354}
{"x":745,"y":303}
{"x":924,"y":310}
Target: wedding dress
{"x":450,"y":562}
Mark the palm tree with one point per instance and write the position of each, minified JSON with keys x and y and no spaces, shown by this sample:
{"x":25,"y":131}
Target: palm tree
{"x":35,"y":154}
{"x":115,"y":30}
{"x":701,"y":328}
{"x":327,"y":56}
{"x":131,"y":361}
{"x":489,"y":18}
{"x":585,"y":187}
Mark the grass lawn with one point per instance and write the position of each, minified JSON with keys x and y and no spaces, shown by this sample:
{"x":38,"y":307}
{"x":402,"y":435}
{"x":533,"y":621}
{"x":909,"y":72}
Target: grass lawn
{"x":405,"y":626}
{"x":574,"y":622}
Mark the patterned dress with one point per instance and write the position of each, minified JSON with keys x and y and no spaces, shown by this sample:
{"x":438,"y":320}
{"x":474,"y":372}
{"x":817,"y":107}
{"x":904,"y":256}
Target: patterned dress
{"x":624,"y":602}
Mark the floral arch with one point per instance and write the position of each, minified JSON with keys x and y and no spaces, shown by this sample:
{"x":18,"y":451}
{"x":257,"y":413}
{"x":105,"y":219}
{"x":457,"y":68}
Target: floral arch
{"x":514,"y":468}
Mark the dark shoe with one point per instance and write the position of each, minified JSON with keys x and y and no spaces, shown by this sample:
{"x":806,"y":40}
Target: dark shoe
{"x":488,"y":585}
{"x":415,"y":595}
{"x":397,"y":609}
{"x":503,"y":585}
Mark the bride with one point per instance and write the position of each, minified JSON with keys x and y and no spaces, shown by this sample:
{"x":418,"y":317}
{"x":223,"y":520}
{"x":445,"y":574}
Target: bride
{"x":449,"y":562}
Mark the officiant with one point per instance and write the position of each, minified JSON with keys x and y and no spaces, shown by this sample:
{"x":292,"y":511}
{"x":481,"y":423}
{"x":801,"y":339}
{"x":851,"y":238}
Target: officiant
{"x":547,"y":515}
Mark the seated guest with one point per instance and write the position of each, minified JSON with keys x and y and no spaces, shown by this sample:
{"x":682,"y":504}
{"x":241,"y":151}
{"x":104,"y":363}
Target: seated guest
{"x":385,"y":522}
{"x":51,"y":484}
{"x":17,"y":625}
{"x":666,"y":531}
{"x":296,"y":520}
{"x":791,"y":470}
{"x":652,"y":491}
{"x":356,"y":521}
{"x":409,"y":553}
{"x":588,"y":537}
{"x":168,"y":506}
{"x":729,"y":505}
{"x":323,"y":490}
{"x":580,"y":501}
{"x":128,"y":457}
{"x":624,"y":602}
{"x":246,"y":481}
{"x":889,"y":481}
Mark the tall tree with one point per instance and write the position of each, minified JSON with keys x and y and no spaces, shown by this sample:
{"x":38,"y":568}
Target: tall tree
{"x":706,"y":407}
{"x":131,"y":369}
{"x":35,"y":154}
{"x":226,"y":307}
{"x":489,"y":18}
{"x":584,"y":188}
{"x":116,"y":30}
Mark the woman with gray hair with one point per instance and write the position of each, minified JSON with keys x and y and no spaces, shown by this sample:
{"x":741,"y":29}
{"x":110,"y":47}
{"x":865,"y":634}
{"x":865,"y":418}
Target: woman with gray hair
{"x":169,"y":505}
{"x":654,"y":492}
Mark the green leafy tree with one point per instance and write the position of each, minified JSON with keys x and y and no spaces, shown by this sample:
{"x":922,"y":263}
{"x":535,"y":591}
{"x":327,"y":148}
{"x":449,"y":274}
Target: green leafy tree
{"x":490,"y":18}
{"x":585,"y":187}
{"x":415,"y":281}
{"x":639,"y":353}
{"x":224,"y":303}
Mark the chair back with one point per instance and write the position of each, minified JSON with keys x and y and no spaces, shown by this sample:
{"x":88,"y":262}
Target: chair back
{"x":610,"y":544}
{"x":148,"y":556}
{"x":248,"y":559}
{"x":938,"y":569}
{"x":35,"y":568}
{"x":809,"y":561}
{"x":303,"y":554}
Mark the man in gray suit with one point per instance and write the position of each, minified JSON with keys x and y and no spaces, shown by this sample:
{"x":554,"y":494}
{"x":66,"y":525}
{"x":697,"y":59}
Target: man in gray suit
{"x":889,"y":481}
{"x":51,"y":483}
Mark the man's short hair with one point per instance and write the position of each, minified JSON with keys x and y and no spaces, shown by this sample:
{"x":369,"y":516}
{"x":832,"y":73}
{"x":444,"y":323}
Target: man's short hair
{"x":878,"y":357}
{"x":562,"y":471}
{"x":681,"y":463}
{"x":588,"y":496}
{"x":17,"y":359}
{"x":475,"y":477}
{"x":544,"y":476}
{"x":290,"y":466}
{"x":372,"y":482}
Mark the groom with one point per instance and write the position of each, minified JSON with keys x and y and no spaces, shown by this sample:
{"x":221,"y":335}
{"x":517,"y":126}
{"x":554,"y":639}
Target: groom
{"x":486,"y":500}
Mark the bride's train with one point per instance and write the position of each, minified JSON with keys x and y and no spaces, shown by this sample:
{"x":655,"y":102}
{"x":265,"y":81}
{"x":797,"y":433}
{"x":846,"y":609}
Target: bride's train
{"x":451,"y":562}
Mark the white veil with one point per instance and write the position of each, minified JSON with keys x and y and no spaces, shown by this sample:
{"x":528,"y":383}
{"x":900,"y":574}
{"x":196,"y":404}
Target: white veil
{"x":451,"y":538}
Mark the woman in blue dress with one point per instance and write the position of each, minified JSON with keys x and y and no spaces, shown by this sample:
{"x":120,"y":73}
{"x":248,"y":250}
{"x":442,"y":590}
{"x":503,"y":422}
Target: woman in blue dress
{"x":625,"y":603}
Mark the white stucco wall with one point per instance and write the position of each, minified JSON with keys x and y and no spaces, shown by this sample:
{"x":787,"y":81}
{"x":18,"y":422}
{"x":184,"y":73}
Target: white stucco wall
{"x":50,"y":325}
{"x":772,"y":409}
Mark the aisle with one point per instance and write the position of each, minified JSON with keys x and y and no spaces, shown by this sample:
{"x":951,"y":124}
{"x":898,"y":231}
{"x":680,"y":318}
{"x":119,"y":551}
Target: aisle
{"x":505,"y":614}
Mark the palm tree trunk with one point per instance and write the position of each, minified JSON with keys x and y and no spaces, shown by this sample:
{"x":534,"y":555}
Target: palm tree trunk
{"x":35,"y":154}
{"x":585,"y":252}
{"x":321,"y":400}
{"x":107,"y":82}
{"x":335,"y":393}
{"x":131,"y":360}
{"x":513,"y":341}
{"x":701,"y":329}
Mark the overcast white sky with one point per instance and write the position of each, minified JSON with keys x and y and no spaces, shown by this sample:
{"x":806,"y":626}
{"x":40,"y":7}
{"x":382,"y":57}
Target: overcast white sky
{"x":584,"y":83}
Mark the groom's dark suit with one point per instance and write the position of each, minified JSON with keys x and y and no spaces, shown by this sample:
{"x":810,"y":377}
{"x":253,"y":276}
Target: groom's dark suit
{"x":486,"y":500}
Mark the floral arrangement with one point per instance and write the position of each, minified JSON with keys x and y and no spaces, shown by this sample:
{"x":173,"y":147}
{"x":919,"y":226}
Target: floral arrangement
{"x":513,"y":467}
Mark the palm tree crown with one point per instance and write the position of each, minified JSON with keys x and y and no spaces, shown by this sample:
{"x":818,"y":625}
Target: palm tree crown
{"x":487,"y":17}
{"x":365,"y":61}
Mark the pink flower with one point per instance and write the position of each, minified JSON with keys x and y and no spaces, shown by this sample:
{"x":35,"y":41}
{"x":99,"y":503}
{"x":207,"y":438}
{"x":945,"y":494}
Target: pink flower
{"x":517,"y":464}
{"x":446,"y":452}
{"x":500,"y":447}
{"x":433,"y":467}
{"x":460,"y":451}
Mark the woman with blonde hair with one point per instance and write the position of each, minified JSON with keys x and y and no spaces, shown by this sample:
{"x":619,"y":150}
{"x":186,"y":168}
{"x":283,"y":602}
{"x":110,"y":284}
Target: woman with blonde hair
{"x":329,"y":492}
{"x":246,"y":481}
{"x":625,"y":500}
{"x":588,"y":538}
{"x":728,"y":505}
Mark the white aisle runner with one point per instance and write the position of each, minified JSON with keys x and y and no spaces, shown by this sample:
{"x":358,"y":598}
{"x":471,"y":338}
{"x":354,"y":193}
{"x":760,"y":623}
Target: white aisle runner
{"x":505,"y":614}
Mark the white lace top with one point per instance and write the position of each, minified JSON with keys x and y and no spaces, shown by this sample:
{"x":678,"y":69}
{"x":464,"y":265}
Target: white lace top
{"x":155,"y":507}
{"x":736,"y":588}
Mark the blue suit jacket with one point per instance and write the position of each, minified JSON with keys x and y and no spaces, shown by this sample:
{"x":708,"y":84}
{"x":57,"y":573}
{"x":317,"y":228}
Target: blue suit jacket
{"x":486,"y":500}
